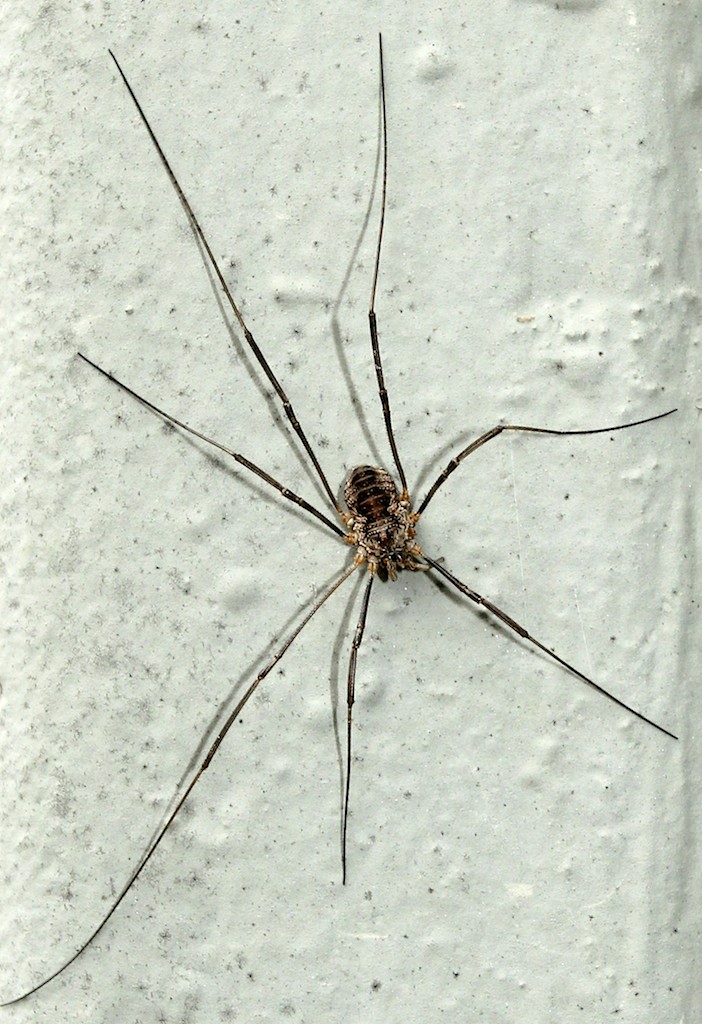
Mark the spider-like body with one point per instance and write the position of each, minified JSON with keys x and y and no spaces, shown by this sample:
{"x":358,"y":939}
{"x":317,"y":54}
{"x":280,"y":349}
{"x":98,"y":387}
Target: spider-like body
{"x":381,"y":523}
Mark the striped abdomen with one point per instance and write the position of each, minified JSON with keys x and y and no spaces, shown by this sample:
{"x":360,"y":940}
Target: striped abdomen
{"x":369,"y":493}
{"x":381,"y":522}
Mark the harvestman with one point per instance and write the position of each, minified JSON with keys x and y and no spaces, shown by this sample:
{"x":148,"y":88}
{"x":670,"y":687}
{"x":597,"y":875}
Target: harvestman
{"x":379,"y":521}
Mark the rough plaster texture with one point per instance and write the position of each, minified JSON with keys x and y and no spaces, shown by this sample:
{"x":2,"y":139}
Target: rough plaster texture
{"x":520,"y":850}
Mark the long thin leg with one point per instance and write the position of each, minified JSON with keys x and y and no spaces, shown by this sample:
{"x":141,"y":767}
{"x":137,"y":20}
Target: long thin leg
{"x":262,"y":361}
{"x":350,"y":697}
{"x":508,"y":621}
{"x":203,"y":767}
{"x":241,"y":459}
{"x":375,"y":344}
{"x":496,"y":431}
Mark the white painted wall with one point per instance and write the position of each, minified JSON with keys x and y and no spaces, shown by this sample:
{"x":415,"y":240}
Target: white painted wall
{"x":519,"y":849}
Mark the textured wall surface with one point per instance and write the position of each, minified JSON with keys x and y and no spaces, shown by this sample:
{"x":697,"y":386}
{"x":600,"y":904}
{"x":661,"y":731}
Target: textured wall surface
{"x":520,"y":849}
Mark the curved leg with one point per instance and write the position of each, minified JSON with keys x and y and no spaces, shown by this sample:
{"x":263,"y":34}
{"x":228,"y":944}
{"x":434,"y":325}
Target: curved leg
{"x":193,"y":782}
{"x":262,"y":361}
{"x":241,"y":459}
{"x":496,"y":431}
{"x":375,"y":343}
{"x":350,"y":696}
{"x":520,"y":631}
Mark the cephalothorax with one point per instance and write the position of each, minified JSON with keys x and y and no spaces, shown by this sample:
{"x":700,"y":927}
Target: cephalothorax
{"x":380,"y":522}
